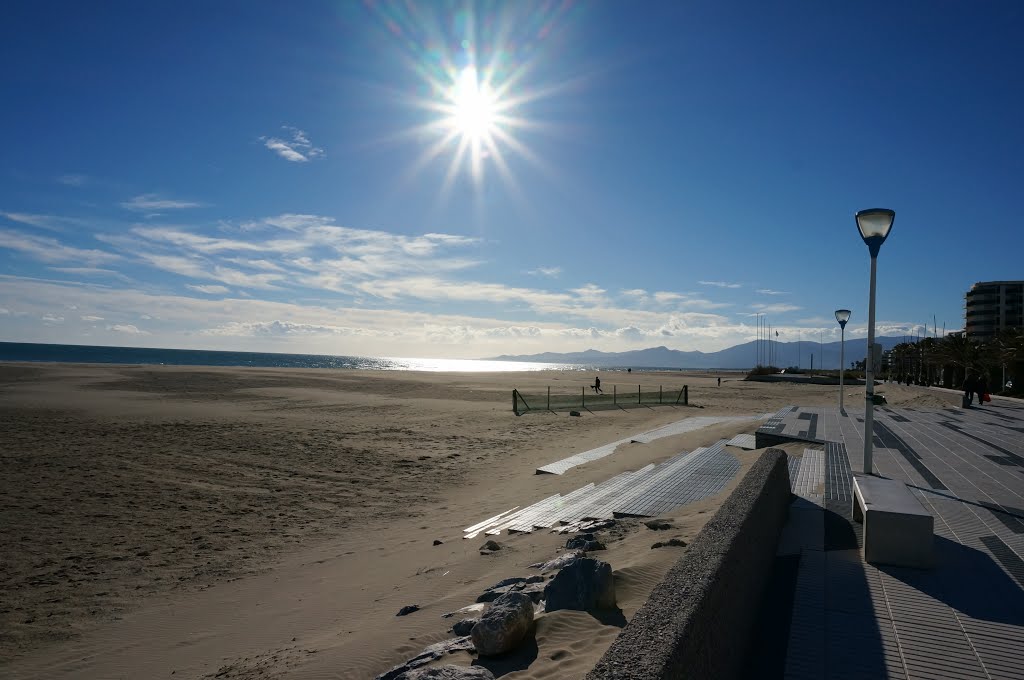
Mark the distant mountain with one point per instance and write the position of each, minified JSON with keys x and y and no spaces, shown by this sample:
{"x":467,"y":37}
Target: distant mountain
{"x":738,"y":356}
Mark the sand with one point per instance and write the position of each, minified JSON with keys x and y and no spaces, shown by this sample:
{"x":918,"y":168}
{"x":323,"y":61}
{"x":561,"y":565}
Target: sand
{"x":244,"y":523}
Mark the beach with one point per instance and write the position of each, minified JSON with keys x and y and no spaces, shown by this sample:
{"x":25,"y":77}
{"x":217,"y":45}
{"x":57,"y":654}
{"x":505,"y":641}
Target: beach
{"x":257,"y":522}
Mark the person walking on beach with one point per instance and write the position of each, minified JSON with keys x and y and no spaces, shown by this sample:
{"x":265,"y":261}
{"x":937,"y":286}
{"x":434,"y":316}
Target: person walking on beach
{"x":597,"y":385}
{"x":719,"y":382}
{"x":969,"y":385}
{"x":981,"y":388}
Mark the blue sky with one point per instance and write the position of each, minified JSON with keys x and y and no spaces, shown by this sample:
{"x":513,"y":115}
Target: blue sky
{"x":473,"y":179}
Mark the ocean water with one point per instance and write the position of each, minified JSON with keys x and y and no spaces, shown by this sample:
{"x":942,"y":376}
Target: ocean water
{"x":88,"y":354}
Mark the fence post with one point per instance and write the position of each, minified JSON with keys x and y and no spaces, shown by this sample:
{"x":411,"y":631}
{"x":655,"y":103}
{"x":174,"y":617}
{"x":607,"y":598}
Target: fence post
{"x":659,"y":394}
{"x":615,"y":398}
{"x":549,"y":397}
{"x":583,"y":397}
{"x":515,"y":402}
{"x":686,"y":395}
{"x":639,"y":400}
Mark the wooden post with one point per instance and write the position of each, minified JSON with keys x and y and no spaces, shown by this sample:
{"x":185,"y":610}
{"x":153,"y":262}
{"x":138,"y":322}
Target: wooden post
{"x":583,"y":397}
{"x":659,"y":394}
{"x":686,"y":395}
{"x":515,"y":402}
{"x":638,"y":399}
{"x":549,"y":397}
{"x":615,"y":398}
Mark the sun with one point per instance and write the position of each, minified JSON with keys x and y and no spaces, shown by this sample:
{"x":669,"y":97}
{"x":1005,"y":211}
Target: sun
{"x":474,"y":110}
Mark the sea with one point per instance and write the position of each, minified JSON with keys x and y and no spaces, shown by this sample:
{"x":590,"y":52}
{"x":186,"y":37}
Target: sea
{"x":90,"y":354}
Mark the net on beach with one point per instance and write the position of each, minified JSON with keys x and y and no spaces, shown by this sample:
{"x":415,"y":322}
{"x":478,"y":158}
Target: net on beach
{"x":588,"y":400}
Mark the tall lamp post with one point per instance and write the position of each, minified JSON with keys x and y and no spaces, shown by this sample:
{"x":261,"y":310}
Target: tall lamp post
{"x":874,"y":225}
{"x":842,"y":316}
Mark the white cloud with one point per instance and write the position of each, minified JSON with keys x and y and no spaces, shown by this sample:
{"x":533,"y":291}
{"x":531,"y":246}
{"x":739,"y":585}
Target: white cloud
{"x":298,"y":149}
{"x":768,"y":291}
{"x":91,"y":317}
{"x":777,"y":308}
{"x":51,"y":250}
{"x":720,"y":284}
{"x":4,"y":312}
{"x":90,"y":271}
{"x":126,"y":328}
{"x":151,"y":202}
{"x":550,"y":272}
{"x":209,"y":290}
{"x":52,"y":318}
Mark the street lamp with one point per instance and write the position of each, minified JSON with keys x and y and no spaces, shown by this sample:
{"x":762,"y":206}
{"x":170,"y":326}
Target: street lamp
{"x":874,"y":225}
{"x":842,"y":316}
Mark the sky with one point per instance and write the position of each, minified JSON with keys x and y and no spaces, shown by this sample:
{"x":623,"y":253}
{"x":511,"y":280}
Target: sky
{"x":444,"y":179}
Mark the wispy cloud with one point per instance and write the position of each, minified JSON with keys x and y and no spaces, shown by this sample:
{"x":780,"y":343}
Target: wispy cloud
{"x":777,"y":308}
{"x":126,"y":328}
{"x":720,"y":284}
{"x":50,"y":250}
{"x":298,"y":149}
{"x":769,"y":291}
{"x":91,"y":317}
{"x":209,"y":290}
{"x":151,"y":202}
{"x":550,"y":272}
{"x":90,"y":271}
{"x":73,"y":180}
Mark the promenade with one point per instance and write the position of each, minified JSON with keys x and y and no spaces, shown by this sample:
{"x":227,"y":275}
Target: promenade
{"x":828,"y":614}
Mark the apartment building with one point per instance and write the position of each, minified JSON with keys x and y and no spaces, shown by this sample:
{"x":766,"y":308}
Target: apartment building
{"x":993,"y":306}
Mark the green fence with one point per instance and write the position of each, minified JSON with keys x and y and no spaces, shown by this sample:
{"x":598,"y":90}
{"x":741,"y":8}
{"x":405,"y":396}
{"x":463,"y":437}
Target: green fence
{"x":587,"y":399}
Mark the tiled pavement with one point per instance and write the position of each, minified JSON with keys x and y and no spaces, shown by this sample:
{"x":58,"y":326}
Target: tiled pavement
{"x":832,"y":615}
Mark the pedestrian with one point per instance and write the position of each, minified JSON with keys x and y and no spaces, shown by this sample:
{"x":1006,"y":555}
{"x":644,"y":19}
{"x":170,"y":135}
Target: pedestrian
{"x":969,"y":384}
{"x":719,"y":382}
{"x":981,"y":388}
{"x":597,"y":385}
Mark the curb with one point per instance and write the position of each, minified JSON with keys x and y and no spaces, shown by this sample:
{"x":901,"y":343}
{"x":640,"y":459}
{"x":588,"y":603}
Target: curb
{"x":697,"y":622}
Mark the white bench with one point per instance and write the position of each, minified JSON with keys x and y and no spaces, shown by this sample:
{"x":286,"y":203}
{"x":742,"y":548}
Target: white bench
{"x":897,"y":528}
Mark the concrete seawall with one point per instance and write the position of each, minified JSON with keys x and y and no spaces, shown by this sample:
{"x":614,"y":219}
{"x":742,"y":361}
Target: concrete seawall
{"x":697,"y":621}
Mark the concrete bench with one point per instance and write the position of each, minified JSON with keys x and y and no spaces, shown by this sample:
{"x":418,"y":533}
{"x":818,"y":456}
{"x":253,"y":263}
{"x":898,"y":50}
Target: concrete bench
{"x":897,"y":528}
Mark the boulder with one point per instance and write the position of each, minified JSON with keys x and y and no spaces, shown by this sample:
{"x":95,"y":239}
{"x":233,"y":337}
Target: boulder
{"x":450,"y":672}
{"x":435,"y":651}
{"x":470,"y":609}
{"x":465,"y":626}
{"x":559,"y":562}
{"x":490,"y":547}
{"x":504,"y":625}
{"x":586,"y":584}
{"x":408,"y":609}
{"x":675,"y":542}
{"x":438,"y":541}
{"x":574,"y":413}
{"x":584,"y":542}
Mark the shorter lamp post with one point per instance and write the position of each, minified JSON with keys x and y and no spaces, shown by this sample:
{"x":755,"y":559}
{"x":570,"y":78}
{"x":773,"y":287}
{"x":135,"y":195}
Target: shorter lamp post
{"x":874,"y":225}
{"x":842,"y":316}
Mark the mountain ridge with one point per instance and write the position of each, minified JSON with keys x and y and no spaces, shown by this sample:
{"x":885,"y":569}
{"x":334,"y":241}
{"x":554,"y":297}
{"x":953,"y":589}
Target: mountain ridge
{"x":740,"y":356}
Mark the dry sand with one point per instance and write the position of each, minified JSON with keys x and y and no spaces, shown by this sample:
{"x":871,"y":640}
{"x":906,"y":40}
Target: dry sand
{"x":244,"y":523}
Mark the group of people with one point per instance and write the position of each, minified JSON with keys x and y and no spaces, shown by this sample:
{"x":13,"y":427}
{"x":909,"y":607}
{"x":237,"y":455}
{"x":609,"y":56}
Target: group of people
{"x":975,"y":385}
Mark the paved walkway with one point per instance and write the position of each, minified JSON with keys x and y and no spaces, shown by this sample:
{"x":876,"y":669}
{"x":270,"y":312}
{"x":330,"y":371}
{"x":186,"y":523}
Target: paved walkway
{"x":831,"y":615}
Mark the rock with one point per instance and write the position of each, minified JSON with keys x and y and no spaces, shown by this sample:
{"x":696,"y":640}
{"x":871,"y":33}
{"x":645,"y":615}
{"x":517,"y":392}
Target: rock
{"x":450,"y":672}
{"x":408,"y":609}
{"x":464,"y":626}
{"x":535,"y":591}
{"x":584,"y":585}
{"x":559,"y":562}
{"x":536,"y":578}
{"x":438,"y":541}
{"x":504,"y":625}
{"x":584,"y":542}
{"x":592,"y":525}
{"x":658,"y":524}
{"x":574,"y":413}
{"x":512,"y":580}
{"x":435,"y":651}
{"x":675,"y":542}
{"x":490,"y":547}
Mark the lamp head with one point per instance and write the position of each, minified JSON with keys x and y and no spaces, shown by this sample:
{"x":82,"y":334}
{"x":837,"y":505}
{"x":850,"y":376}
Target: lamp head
{"x":874,"y":225}
{"x":842,"y":316}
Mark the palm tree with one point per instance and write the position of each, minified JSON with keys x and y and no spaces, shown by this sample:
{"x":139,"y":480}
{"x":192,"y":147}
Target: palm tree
{"x":961,"y":353}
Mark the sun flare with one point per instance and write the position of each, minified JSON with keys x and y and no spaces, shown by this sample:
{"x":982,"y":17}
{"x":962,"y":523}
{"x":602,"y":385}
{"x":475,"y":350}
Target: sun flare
{"x":474,"y":107}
